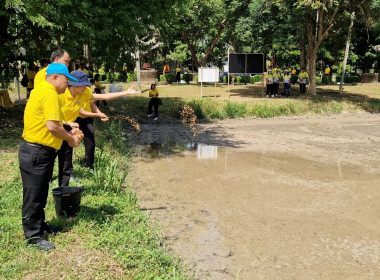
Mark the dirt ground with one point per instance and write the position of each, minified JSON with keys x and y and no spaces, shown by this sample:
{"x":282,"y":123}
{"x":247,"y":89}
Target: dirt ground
{"x":283,"y":198}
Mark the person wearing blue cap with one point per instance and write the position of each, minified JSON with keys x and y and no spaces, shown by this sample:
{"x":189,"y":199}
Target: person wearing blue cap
{"x":75,"y":98}
{"x":327,"y":70}
{"x":42,"y":136}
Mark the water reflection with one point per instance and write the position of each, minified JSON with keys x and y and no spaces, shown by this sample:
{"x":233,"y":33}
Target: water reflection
{"x":207,"y":152}
{"x":157,"y":150}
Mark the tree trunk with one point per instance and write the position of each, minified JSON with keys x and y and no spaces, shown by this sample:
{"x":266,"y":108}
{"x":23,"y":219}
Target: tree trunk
{"x":185,"y":37}
{"x":138,"y":70}
{"x":346,"y":52}
{"x":302,"y":51}
{"x":312,"y":63}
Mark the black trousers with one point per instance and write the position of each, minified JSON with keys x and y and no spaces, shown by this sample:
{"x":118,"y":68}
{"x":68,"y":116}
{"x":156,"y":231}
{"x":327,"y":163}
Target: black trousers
{"x":85,"y":124}
{"x":275,"y":88}
{"x":153,"y":102}
{"x":99,"y":91}
{"x":65,"y":162}
{"x":302,"y":88}
{"x":270,"y":89}
{"x":178,"y":77}
{"x":36,"y":167}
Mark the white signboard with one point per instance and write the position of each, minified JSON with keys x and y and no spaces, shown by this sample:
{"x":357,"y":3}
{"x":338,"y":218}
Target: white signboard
{"x":208,"y":75}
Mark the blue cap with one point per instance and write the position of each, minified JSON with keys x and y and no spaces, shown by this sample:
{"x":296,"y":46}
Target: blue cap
{"x":327,"y":65}
{"x":59,"y":68}
{"x":82,"y":79}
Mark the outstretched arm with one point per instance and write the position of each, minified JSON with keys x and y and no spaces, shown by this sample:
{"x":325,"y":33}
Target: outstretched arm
{"x":114,"y":95}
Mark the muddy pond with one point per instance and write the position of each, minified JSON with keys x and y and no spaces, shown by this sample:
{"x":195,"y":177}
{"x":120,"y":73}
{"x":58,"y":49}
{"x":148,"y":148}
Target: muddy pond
{"x":286,"y":198}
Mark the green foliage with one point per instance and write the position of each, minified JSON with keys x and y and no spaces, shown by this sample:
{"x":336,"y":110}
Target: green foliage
{"x":181,"y":52}
{"x":348,"y":79}
{"x":326,"y":80}
{"x":170,"y":77}
{"x":318,"y":80}
{"x":294,"y":79}
{"x":196,"y":78}
{"x":236,"y":110}
{"x":131,"y":77}
{"x":187,"y":78}
{"x":245,"y":79}
{"x":109,"y":173}
{"x":256,"y":78}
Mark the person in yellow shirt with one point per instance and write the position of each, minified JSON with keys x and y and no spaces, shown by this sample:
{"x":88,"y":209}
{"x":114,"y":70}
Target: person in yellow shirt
{"x":178,"y":74}
{"x":327,"y":70}
{"x":303,"y":78}
{"x":42,"y":137}
{"x":153,"y":102}
{"x":99,"y":88}
{"x":83,"y":68}
{"x":166,"y":69}
{"x":57,"y":56}
{"x":269,"y":82}
{"x":286,"y":80}
{"x":30,"y":74}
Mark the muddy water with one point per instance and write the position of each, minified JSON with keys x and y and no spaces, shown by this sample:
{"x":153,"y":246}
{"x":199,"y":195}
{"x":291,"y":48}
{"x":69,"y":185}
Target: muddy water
{"x":260,"y":215}
{"x":285,"y":198}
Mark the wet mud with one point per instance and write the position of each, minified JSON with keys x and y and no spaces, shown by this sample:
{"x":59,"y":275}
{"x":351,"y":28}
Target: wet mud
{"x":285,"y":198}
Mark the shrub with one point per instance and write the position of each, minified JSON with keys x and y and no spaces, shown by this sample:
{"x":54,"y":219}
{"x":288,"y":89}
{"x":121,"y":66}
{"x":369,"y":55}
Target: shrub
{"x":326,"y":80}
{"x":236,"y":110}
{"x":256,"y":78}
{"x":170,"y":77}
{"x":187,"y":78}
{"x":318,"y":80}
{"x":245,"y":79}
{"x":225,"y":79}
{"x":237,"y":80}
{"x":131,"y":77}
{"x":162,"y":78}
{"x":348,"y":79}
{"x":196,"y":78}
{"x":103,"y":77}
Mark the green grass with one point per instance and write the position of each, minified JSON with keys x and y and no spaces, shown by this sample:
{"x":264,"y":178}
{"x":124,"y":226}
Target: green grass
{"x":111,"y":238}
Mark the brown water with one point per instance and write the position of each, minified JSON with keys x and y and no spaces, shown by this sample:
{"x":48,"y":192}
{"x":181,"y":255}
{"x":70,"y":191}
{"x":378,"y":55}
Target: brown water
{"x":238,"y":213}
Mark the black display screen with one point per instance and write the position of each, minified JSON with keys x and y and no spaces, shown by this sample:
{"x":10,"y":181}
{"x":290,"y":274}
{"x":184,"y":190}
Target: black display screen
{"x":246,"y":63}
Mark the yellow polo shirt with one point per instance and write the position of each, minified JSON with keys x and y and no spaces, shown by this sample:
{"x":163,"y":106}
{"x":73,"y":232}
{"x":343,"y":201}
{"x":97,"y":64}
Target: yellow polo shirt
{"x":71,"y":106}
{"x":43,"y":105}
{"x":40,"y":76}
{"x":87,"y":106}
{"x":153,"y":93}
{"x":83,"y":70}
{"x":31,"y":75}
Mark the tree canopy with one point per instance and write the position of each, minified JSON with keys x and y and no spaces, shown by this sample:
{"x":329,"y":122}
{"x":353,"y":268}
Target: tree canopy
{"x":293,"y":33}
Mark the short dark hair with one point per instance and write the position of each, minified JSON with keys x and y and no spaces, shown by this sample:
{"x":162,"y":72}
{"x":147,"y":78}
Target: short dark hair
{"x":152,"y":85}
{"x":57,"y":53}
{"x":44,"y":62}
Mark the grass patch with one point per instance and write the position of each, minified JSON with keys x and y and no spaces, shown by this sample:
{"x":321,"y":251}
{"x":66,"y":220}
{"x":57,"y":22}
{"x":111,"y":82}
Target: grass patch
{"x":111,"y":238}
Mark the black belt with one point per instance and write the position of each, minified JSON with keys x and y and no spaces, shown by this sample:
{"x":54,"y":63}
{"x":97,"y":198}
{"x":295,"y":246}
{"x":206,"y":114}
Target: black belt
{"x":35,"y":145}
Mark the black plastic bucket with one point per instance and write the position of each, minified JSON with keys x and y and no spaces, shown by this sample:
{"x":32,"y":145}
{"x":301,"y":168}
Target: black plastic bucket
{"x":67,"y":201}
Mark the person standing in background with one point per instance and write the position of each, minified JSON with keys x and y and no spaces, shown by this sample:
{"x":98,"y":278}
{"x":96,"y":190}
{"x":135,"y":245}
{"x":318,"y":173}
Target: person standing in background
{"x":178,"y":74}
{"x":60,"y":56}
{"x":31,"y":74}
{"x":303,"y":80}
{"x":153,"y":102}
{"x":327,"y":70}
